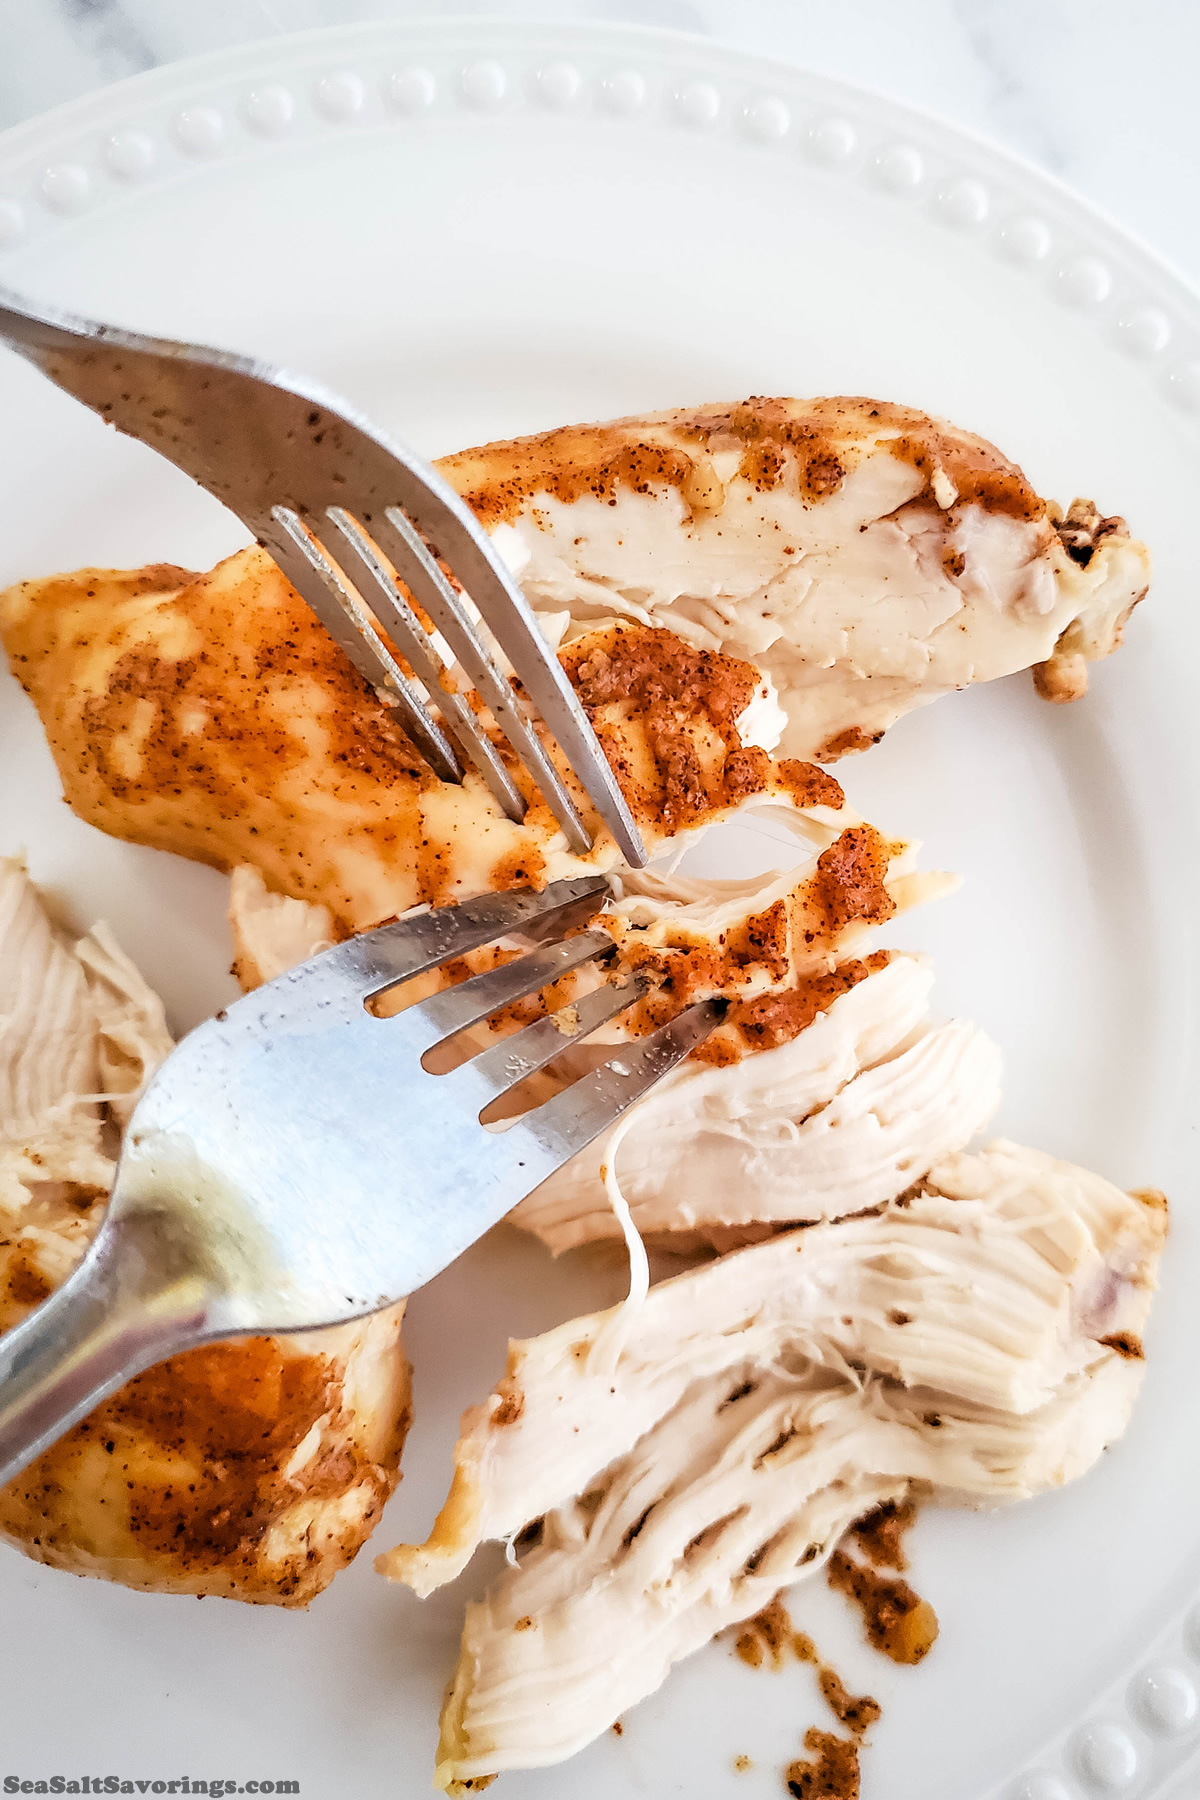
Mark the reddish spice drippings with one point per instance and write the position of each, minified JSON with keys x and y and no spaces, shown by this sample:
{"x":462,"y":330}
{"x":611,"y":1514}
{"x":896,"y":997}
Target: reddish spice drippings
{"x":768,"y":1634}
{"x":858,"y":1712}
{"x":880,"y":1533}
{"x":834,"y":1772}
{"x":897,"y":1620}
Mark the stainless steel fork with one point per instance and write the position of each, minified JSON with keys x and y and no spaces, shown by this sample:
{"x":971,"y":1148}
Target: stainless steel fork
{"x":295,"y":1164}
{"x":302,"y":471}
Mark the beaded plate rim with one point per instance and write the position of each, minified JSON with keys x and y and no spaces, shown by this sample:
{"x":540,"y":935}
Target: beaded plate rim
{"x":149,"y":129}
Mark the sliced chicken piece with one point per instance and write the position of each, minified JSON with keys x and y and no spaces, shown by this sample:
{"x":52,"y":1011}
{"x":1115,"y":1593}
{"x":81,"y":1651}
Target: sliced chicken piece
{"x":216,"y":718}
{"x":771,"y":944}
{"x":843,"y":1116}
{"x":825,"y":1091}
{"x":54,"y":1164}
{"x":253,"y":1469}
{"x":132,"y":1034}
{"x":778,"y":949}
{"x":702,"y":1526}
{"x":271,"y":933}
{"x":670,"y":1471}
{"x":863,"y":555}
{"x":996,"y":1279}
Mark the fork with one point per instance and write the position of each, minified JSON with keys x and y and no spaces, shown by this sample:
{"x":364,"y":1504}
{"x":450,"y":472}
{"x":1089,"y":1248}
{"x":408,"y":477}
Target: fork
{"x":295,"y":1163}
{"x":302,"y":471}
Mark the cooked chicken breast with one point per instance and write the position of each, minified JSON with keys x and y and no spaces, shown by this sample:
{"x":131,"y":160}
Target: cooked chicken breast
{"x":271,"y":933}
{"x":215,"y":717}
{"x":711,"y":579}
{"x":253,"y":1469}
{"x":675,"y":1467}
{"x":865,"y":556}
{"x":841,"y":1117}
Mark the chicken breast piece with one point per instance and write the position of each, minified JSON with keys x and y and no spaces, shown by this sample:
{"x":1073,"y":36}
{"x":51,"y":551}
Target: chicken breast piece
{"x":216,"y":718}
{"x":778,"y":950}
{"x":996,"y":1278}
{"x":271,"y":933}
{"x":843,"y":1116}
{"x":253,"y":1469}
{"x":670,"y":1472}
{"x":863,"y":555}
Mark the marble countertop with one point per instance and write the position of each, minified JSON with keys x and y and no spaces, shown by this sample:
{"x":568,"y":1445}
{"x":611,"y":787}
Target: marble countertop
{"x":1099,"y":93}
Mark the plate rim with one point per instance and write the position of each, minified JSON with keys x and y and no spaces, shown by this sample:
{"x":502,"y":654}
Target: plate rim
{"x":52,"y":193}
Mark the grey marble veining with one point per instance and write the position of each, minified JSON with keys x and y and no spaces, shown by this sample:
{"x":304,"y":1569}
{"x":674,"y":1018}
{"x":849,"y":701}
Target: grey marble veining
{"x":1097,"y":92}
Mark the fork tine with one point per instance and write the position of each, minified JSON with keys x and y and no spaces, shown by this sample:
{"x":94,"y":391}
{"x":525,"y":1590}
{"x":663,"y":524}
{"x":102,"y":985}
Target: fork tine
{"x":508,"y":1063}
{"x":570,"y":1120}
{"x":444,"y":517}
{"x":472,"y":1000}
{"x":404,"y":628}
{"x":321,"y":584}
{"x":380,"y":959}
{"x":419,"y":569}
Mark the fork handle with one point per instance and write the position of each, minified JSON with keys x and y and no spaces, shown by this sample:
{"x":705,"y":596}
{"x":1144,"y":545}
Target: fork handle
{"x":122,"y":1309}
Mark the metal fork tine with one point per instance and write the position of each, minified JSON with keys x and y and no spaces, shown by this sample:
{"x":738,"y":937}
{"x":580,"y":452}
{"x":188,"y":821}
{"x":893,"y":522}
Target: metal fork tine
{"x":390,"y":954}
{"x":445,"y":518}
{"x":418,"y":568}
{"x":404,"y":628}
{"x":472,"y":1000}
{"x":343,"y":615}
{"x":571,"y":1120}
{"x":508,"y":1063}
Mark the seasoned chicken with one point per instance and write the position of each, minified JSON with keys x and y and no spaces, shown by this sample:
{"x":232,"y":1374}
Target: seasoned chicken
{"x":253,"y":1469}
{"x":271,"y":933}
{"x":215,"y":717}
{"x":841,"y":1117}
{"x":710,"y":580}
{"x":666,"y":1470}
{"x":864,"y":556}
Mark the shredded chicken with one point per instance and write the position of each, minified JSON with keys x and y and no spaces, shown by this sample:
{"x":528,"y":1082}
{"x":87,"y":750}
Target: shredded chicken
{"x":132,"y":1038}
{"x":845,"y":1115}
{"x":51,"y":1125}
{"x":864,"y":556}
{"x":253,"y":1469}
{"x":271,"y":933}
{"x":978,"y":1337}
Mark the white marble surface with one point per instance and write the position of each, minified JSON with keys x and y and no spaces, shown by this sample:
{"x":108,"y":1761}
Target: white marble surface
{"x":1100,"y":92}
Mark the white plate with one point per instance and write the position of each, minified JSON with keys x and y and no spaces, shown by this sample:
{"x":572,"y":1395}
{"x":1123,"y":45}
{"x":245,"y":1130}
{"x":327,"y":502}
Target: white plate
{"x":475,"y":230}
